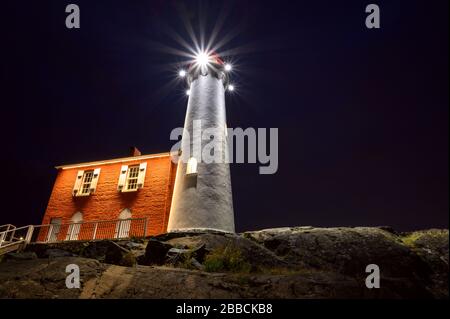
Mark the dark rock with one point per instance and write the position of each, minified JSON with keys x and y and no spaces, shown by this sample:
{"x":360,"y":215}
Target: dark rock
{"x":196,"y":264}
{"x":132,"y":245}
{"x":176,"y":255}
{"x":106,"y":251}
{"x":389,"y":229}
{"x":199,"y":253}
{"x":177,"y":251}
{"x":255,"y":254}
{"x":128,"y":260}
{"x":193,"y":257}
{"x":181,"y":234}
{"x":155,"y":253}
{"x":46,"y":280}
{"x":339,"y":249}
{"x":97,"y":250}
{"x":21,"y":256}
{"x":297,"y":262}
{"x":41,"y":249}
{"x":55,"y":253}
{"x":431,"y":246}
{"x":278,"y":246}
{"x":117,"y":255}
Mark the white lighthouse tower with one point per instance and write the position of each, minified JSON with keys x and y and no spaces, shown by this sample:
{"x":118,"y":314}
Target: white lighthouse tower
{"x":202,"y":198}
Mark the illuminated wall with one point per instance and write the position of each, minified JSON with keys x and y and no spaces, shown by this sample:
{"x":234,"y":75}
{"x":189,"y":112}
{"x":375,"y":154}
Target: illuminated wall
{"x":152,"y":201}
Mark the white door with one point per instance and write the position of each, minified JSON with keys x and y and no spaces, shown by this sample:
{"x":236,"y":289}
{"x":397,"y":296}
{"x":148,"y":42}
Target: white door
{"x":73,"y":232}
{"x":75,"y":226}
{"x":124,"y":224}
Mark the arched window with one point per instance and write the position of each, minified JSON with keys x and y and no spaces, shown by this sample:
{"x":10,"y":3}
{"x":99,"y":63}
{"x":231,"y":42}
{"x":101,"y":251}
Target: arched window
{"x":191,"y":168}
{"x":125,"y":214}
{"x":124,"y":224}
{"x":75,"y":226}
{"x":77,"y":217}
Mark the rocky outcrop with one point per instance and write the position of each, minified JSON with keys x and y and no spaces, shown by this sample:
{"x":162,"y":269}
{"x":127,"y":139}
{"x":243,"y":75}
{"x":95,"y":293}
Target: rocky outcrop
{"x":298,"y":262}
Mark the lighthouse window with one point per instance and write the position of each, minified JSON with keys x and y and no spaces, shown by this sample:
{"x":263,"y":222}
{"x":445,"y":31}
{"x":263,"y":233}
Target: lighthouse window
{"x":86,"y":183}
{"x":132,"y":178}
{"x":191,"y":168}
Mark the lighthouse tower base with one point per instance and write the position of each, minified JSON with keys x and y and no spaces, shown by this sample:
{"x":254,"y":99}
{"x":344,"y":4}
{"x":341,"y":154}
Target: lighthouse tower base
{"x":199,"y":205}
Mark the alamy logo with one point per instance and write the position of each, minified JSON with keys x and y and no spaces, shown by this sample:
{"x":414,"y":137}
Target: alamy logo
{"x":73,"y":279}
{"x":228,"y":145}
{"x":373,"y":280}
{"x":373,"y":19}
{"x":73,"y":19}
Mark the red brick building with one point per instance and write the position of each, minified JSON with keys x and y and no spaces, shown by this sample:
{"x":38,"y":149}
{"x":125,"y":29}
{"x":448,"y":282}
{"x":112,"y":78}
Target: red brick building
{"x":122,"y":197}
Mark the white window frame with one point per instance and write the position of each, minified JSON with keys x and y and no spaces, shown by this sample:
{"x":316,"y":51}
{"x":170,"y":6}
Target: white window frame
{"x":86,"y":174}
{"x":135,"y":170}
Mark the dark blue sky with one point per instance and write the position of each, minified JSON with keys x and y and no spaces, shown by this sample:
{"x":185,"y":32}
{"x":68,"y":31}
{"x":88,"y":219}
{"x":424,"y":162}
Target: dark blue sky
{"x":362,"y":114}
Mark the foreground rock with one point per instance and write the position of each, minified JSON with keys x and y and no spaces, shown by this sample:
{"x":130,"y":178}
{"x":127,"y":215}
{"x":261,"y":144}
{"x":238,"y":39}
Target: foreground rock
{"x":302,"y":262}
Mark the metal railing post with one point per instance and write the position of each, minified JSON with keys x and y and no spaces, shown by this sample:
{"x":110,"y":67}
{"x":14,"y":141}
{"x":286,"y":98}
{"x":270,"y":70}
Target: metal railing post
{"x":119,"y":229}
{"x":145,"y":226}
{"x":29,"y":234}
{"x":95,"y":231}
{"x":49,"y":235}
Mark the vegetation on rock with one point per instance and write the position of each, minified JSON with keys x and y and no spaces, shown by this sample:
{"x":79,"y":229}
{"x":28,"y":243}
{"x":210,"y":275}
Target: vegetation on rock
{"x":227,"y":258}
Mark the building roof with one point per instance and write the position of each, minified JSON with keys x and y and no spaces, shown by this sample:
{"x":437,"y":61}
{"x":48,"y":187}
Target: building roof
{"x":113,"y":161}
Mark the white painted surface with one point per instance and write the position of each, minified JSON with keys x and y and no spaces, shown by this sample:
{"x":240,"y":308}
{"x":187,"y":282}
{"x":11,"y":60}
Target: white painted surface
{"x":204,"y":200}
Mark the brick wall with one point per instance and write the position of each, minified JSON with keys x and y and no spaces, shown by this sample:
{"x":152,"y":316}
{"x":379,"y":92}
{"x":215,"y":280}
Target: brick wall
{"x":152,"y":201}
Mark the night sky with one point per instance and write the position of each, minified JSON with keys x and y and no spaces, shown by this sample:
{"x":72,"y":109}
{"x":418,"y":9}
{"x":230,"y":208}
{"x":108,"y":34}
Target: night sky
{"x":362,"y":114}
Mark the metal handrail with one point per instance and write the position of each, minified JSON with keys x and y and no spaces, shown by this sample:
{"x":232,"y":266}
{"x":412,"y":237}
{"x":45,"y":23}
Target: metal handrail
{"x":9,"y":238}
{"x":7,"y":226}
{"x":92,"y":222}
{"x":89,"y":230}
{"x":12,"y":243}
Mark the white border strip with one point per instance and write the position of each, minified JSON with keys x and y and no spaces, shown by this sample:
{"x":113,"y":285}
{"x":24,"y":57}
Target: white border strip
{"x":113,"y":161}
